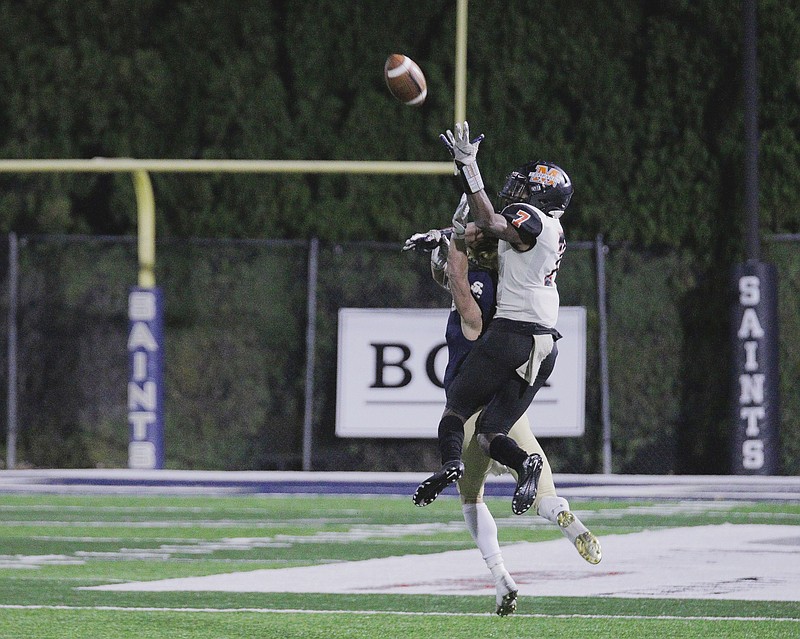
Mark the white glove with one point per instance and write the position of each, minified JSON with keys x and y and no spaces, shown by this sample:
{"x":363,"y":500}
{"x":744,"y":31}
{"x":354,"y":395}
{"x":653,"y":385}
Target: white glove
{"x":464,"y":153}
{"x":460,"y":218}
{"x":439,"y":255}
{"x":459,"y":145}
{"x":424,"y":242}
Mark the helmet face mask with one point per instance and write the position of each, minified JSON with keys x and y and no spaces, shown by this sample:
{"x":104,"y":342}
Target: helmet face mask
{"x":483,"y":253}
{"x":541,"y":184}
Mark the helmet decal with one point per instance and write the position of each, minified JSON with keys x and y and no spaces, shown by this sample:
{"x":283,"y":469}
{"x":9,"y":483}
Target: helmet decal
{"x":545,"y":175}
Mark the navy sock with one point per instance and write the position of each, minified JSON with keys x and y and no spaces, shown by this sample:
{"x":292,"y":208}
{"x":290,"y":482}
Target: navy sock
{"x":505,"y":450}
{"x":451,"y":437}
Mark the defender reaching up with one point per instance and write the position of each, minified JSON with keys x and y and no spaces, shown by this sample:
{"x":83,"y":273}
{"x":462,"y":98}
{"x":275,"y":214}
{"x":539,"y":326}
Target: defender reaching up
{"x":466,"y":266}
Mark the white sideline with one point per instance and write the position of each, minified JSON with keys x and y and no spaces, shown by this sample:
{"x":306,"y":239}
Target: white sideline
{"x":726,"y":561}
{"x":594,"y":486}
{"x":396,"y":613}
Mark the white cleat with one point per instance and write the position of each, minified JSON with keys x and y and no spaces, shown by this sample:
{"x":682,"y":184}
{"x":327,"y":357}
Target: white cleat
{"x":586,"y":543}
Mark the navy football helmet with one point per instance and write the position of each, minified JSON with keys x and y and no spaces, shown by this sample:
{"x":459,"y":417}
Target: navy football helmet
{"x":541,"y":184}
{"x":483,"y":253}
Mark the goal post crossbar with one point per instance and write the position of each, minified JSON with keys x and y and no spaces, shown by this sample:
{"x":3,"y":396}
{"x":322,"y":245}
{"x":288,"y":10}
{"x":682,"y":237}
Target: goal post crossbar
{"x":126,"y":165}
{"x":141,"y":168}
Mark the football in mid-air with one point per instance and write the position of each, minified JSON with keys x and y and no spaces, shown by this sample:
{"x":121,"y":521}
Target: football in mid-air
{"x":405,"y":79}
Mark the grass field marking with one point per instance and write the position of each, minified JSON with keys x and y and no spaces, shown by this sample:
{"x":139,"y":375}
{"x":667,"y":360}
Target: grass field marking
{"x":379,"y":534}
{"x":117,"y":540}
{"x":344,"y":516}
{"x":170,"y":523}
{"x":115,"y":509}
{"x":355,"y":531}
{"x":403,"y":613}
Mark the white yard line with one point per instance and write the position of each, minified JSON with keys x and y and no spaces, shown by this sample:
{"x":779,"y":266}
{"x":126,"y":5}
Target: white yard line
{"x":401,"y":613}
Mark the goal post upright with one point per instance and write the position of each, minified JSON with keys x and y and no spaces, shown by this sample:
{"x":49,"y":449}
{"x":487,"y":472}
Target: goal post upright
{"x":145,"y":301}
{"x":145,"y":343}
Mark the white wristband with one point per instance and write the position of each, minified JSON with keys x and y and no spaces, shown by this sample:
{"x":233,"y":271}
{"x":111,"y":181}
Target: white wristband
{"x":471,"y":178}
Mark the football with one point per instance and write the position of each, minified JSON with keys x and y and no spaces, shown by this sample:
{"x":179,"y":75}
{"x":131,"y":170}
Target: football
{"x":405,"y":79}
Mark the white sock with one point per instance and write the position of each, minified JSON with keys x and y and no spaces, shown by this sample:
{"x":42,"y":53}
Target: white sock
{"x":503,"y":581}
{"x":551,"y":507}
{"x":483,"y":528}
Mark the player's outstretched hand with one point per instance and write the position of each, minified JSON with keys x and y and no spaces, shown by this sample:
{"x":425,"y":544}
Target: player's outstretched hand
{"x":439,"y":255}
{"x":460,"y":218}
{"x":462,"y":150}
{"x":425,"y":242}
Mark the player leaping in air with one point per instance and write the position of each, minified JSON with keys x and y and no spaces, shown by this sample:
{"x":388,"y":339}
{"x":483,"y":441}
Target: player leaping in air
{"x":465,"y":263}
{"x":509,"y":362}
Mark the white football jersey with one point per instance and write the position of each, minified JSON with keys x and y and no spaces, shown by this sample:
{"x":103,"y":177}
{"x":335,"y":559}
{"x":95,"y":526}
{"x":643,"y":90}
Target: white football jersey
{"x":527,"y":289}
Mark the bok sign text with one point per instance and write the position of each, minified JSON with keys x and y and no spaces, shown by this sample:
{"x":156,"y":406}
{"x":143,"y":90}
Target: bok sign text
{"x":391,"y":364}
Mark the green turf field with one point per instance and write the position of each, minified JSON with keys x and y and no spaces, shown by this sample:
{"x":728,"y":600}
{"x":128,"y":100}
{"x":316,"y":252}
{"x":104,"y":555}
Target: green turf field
{"x":50,"y":546}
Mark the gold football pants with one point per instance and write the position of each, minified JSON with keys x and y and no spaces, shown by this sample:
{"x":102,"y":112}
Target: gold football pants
{"x":478,"y":465}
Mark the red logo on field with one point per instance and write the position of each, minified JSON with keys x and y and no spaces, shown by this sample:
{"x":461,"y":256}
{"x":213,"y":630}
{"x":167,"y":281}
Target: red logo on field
{"x":522,"y":217}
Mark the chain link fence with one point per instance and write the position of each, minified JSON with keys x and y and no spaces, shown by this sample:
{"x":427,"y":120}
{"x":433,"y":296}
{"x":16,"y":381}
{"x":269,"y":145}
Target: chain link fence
{"x":237,"y":392}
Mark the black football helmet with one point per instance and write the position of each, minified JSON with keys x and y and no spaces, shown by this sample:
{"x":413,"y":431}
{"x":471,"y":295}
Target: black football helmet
{"x":541,"y":184}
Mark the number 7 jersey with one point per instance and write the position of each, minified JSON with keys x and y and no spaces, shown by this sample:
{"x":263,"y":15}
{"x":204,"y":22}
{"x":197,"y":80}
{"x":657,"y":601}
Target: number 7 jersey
{"x":527,"y":290}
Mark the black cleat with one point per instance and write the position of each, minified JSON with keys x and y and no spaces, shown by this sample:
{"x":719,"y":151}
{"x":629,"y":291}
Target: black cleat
{"x":429,"y":490}
{"x":527,"y":483}
{"x":507,"y":605}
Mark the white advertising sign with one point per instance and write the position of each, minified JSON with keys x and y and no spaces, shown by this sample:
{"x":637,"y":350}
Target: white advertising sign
{"x":391,"y":363}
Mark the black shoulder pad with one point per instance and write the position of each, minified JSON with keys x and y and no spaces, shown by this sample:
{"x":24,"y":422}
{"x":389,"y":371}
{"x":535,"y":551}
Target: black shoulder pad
{"x":523,"y":216}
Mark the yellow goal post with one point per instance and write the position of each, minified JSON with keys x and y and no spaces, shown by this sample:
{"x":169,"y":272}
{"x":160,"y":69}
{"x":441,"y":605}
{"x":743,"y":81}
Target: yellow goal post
{"x":140,"y":168}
